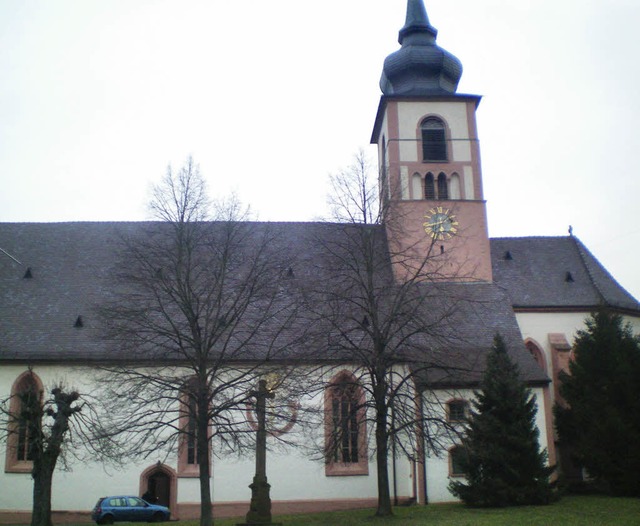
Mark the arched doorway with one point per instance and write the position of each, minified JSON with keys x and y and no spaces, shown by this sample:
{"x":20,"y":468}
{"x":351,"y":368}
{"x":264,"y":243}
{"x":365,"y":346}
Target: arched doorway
{"x":160,"y":481}
{"x":159,"y":485}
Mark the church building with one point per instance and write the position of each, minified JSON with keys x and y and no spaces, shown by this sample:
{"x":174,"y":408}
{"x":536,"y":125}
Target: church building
{"x":535,"y":291}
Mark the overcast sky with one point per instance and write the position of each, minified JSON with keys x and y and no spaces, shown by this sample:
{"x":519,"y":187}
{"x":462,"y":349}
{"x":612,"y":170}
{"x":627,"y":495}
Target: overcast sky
{"x":98,"y":97}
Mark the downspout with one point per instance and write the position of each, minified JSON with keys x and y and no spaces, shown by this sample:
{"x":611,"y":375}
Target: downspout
{"x":422,"y":471}
{"x":424,"y":459}
{"x":393,"y":460}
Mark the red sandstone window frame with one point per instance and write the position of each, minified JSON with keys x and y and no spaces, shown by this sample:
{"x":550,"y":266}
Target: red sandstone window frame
{"x":14,"y":464}
{"x":433,"y":140}
{"x":188,"y":466}
{"x":342,"y":381}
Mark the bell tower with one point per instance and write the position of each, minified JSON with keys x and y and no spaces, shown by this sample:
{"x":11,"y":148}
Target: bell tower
{"x":429,"y":158}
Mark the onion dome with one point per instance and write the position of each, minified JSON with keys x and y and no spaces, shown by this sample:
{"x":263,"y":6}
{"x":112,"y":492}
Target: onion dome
{"x":419,"y":67}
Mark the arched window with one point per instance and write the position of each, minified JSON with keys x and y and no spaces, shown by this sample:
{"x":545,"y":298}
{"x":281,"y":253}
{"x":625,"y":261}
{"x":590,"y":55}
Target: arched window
{"x":21,"y":441}
{"x":434,"y":144}
{"x":188,"y":454}
{"x":443,"y":189}
{"x":457,"y":461}
{"x":537,"y":354}
{"x":429,"y":187}
{"x":345,"y":427}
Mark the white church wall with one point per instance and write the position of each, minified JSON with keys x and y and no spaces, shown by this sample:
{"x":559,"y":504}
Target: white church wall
{"x":79,"y":488}
{"x":538,"y":326}
{"x":292,"y":472}
{"x":437,"y":462}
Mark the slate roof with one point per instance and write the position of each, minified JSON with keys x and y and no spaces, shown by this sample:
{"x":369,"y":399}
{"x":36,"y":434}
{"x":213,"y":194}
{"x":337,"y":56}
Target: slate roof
{"x":71,"y":266}
{"x":555,"y":273}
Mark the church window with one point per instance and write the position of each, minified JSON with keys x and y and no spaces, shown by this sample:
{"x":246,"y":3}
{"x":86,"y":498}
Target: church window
{"x":429,"y":187}
{"x":443,"y":189}
{"x":457,"y":410}
{"x":188,"y":454}
{"x":21,"y":432}
{"x":345,"y":427}
{"x":457,"y":460}
{"x":536,"y":353}
{"x":434,"y":145}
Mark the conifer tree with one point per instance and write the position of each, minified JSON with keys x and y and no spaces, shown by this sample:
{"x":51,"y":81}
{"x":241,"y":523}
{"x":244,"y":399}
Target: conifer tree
{"x":600,"y":416}
{"x":503,"y":461}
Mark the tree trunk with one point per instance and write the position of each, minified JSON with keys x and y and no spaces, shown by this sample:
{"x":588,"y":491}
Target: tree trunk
{"x":382,"y":455}
{"x":202,"y":440}
{"x":42,"y":481}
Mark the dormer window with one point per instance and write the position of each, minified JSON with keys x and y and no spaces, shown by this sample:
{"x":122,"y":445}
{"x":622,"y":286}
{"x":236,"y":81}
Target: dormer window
{"x":434,"y":144}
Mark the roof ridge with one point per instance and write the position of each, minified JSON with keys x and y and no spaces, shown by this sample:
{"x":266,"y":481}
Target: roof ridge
{"x":580,"y":248}
{"x":527,"y":237}
{"x":583,"y":251}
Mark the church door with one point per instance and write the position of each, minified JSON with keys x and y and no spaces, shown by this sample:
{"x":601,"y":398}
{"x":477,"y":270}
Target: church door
{"x":159,"y":484}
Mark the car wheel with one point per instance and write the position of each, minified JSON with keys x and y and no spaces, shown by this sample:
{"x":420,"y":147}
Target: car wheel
{"x":158,"y":517}
{"x":107,"y":519}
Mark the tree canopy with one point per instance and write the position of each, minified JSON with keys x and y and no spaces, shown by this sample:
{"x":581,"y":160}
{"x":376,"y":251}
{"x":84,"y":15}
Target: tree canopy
{"x":504,"y":464}
{"x":599,"y":414}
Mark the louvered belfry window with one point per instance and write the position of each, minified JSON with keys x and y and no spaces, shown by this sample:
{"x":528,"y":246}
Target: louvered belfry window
{"x":434,"y":143}
{"x":429,"y":187}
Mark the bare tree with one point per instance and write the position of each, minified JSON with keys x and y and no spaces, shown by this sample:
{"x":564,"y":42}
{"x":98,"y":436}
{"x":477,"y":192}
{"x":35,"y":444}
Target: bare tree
{"x":392,"y":326}
{"x":46,"y":430}
{"x":201,"y":307}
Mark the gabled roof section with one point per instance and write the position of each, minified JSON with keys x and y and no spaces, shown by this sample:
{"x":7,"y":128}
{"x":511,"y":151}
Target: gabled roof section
{"x":476,"y":312}
{"x":555,"y":273}
{"x":52,"y":312}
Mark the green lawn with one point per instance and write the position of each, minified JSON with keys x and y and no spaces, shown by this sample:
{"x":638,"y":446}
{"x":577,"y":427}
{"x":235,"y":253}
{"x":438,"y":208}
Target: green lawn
{"x":570,"y":511}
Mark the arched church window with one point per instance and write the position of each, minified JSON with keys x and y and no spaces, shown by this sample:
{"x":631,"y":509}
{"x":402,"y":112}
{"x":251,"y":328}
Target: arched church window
{"x":22,"y":432}
{"x":434,"y":144}
{"x":429,"y":187}
{"x":188,"y":453}
{"x":537,"y":354}
{"x":345,"y":427}
{"x":443,"y":189}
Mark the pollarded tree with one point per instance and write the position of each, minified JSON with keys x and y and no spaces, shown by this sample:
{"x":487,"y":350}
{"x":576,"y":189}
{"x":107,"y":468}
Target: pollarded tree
{"x":599,"y":418}
{"x":47,"y":428}
{"x":504,"y":464}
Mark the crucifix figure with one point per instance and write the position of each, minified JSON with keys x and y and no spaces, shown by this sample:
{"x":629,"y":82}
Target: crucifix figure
{"x":260,"y":509}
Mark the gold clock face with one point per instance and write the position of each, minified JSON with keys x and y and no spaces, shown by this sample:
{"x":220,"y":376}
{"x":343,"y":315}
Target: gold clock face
{"x":440,"y":223}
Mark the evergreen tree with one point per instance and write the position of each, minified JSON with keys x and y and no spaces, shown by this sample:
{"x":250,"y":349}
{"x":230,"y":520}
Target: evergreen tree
{"x":600,"y":416}
{"x":503,"y":461}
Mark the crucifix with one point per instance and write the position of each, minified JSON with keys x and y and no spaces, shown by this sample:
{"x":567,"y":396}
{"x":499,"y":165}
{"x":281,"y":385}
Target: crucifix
{"x":260,"y":508}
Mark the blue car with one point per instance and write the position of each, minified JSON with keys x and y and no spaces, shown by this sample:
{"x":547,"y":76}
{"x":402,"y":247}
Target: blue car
{"x":125,"y":508}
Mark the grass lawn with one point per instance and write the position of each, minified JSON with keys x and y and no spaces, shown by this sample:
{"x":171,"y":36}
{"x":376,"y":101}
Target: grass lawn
{"x":570,"y":511}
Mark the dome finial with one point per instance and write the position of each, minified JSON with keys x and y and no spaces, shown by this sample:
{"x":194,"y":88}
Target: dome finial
{"x":419,"y":68}
{"x":416,"y":21}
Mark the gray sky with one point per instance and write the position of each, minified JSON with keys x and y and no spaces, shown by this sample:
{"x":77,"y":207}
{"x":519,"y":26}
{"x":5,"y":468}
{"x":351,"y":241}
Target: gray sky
{"x":98,"y":97}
